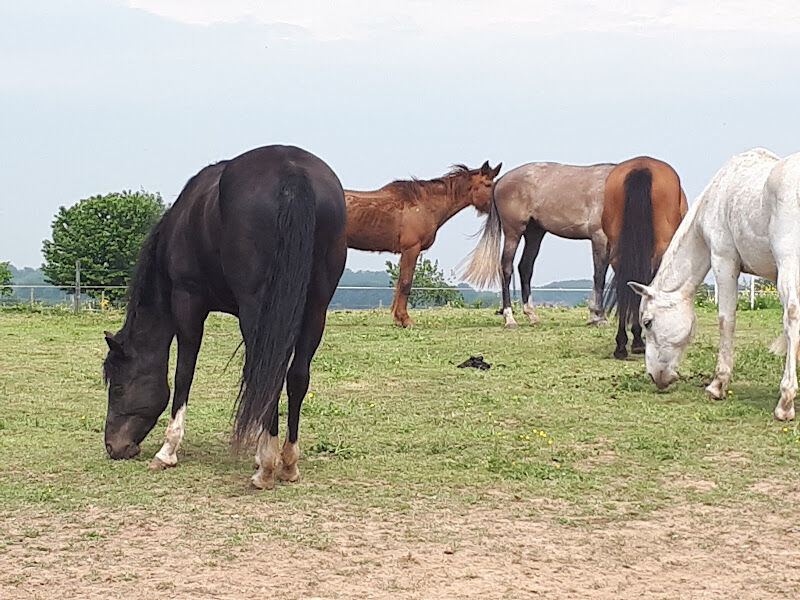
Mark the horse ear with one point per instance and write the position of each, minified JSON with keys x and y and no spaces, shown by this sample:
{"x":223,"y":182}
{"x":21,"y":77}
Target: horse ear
{"x":485,"y":168}
{"x":496,"y":170}
{"x":112,"y":342}
{"x":641,"y":289}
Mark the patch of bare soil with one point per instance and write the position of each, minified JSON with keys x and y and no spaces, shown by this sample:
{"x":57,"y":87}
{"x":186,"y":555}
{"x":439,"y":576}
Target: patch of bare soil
{"x":688,"y":552}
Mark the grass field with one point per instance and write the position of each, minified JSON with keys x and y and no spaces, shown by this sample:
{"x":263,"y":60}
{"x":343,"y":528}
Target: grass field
{"x":560,"y":472}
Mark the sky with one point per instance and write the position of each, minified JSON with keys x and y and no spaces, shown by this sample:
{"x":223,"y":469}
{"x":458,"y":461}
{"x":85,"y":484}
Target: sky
{"x":105,"y":95}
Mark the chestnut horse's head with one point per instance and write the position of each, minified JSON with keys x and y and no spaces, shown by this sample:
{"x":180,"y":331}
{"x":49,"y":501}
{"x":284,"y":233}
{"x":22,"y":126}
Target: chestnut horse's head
{"x":480,"y":186}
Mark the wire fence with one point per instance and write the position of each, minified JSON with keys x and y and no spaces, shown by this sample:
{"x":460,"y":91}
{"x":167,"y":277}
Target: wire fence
{"x":84,"y":297}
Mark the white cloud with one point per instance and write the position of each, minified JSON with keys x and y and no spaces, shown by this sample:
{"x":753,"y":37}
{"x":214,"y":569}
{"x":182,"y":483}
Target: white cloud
{"x":359,"y":19}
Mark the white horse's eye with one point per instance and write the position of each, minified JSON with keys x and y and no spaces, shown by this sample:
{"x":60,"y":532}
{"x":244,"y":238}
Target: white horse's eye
{"x":647,"y":323}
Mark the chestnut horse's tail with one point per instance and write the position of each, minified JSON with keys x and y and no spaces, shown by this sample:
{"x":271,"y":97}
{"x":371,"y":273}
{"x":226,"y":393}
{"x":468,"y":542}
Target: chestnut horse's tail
{"x":270,"y":339}
{"x":634,"y":252}
{"x":483,"y":269}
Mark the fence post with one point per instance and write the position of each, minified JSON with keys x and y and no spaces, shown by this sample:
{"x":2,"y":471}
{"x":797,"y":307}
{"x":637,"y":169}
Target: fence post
{"x":752,"y":291}
{"x":77,"y":285}
{"x":31,"y":297}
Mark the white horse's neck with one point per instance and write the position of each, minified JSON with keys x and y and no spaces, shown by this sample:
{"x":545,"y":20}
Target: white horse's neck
{"x":687,"y":259}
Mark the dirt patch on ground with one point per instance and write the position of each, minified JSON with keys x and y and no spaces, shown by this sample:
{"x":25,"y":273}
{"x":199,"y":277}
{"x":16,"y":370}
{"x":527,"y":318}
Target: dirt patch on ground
{"x":684,"y":552}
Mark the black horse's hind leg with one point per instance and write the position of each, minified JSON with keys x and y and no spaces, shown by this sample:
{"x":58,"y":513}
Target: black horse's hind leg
{"x":320,"y":291}
{"x":622,"y":340}
{"x":189,"y":313}
{"x":533,"y":241}
{"x":507,"y":266}
{"x":637,"y":345}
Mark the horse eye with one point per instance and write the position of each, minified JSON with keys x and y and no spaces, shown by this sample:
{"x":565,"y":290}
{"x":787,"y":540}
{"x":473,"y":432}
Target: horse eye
{"x":647,"y":323}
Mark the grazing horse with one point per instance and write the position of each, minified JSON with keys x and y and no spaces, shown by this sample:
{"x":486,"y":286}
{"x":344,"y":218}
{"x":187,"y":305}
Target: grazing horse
{"x":530,"y":201}
{"x":747,"y":219}
{"x":262,"y":237}
{"x":643,"y":206}
{"x":404,"y":216}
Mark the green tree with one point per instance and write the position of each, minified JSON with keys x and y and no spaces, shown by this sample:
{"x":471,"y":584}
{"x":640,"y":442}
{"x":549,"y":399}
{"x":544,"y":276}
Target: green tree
{"x":427,"y":275}
{"x":104,"y":233}
{"x":5,"y":279}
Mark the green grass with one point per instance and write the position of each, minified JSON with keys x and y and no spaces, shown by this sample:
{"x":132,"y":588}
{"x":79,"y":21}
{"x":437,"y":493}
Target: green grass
{"x":391,"y":422}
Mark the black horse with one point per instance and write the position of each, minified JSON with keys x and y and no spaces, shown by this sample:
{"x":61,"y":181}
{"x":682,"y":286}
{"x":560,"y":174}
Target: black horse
{"x":261,"y":236}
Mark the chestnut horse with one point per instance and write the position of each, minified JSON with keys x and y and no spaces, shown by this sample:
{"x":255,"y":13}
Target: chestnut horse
{"x":404,"y":216}
{"x":643,"y":206}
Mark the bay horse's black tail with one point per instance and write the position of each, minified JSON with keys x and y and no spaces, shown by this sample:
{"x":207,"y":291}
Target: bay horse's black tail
{"x":635,"y":244}
{"x":269,"y":341}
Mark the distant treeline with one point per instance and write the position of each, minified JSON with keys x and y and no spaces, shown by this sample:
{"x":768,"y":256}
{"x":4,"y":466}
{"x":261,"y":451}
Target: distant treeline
{"x":341,"y":299}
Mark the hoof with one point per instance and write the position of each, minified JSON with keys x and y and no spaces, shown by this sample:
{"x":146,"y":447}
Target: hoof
{"x":637,"y":349}
{"x":596,"y":322}
{"x":512,"y":325}
{"x":715,"y":391}
{"x":261,"y":482}
{"x":534,"y":320}
{"x":156,"y":464}
{"x":620,"y":353}
{"x":784,"y":415}
{"x":290,"y":474}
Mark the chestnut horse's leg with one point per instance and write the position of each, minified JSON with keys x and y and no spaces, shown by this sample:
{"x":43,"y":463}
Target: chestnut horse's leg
{"x":408,"y":262}
{"x":597,"y":315}
{"x":507,"y":267}
{"x":533,"y":241}
{"x":189,"y":312}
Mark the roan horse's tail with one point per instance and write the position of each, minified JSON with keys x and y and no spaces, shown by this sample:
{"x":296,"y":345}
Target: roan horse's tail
{"x":483,"y":269}
{"x":635,"y":244}
{"x":271,"y":339}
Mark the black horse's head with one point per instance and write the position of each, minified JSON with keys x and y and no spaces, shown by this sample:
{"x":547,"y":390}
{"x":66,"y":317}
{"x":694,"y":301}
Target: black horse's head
{"x":138,"y":393}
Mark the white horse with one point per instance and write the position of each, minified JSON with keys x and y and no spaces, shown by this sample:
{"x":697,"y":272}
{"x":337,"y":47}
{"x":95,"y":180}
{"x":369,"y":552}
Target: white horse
{"x":746,"y":220}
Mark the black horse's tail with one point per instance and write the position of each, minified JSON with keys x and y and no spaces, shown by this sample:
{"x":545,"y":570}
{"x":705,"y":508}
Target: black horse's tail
{"x":270,"y":340}
{"x":635,"y":244}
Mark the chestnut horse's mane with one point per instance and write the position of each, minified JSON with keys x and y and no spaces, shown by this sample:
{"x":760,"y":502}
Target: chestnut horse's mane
{"x":414,"y":188}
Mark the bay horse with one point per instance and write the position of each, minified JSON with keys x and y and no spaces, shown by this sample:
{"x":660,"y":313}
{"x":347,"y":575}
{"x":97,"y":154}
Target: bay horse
{"x":530,"y":201}
{"x":262,"y":237}
{"x":642,"y":208}
{"x":747,"y":219}
{"x":404,"y":216}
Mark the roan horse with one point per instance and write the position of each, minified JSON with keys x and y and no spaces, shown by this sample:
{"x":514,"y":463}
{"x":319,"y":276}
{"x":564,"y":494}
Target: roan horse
{"x":643,"y":206}
{"x":747,"y":219}
{"x":530,"y":201}
{"x":261,"y":236}
{"x":404,"y":216}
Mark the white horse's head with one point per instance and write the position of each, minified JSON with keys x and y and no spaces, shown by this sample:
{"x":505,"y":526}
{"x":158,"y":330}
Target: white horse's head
{"x":670,"y":322}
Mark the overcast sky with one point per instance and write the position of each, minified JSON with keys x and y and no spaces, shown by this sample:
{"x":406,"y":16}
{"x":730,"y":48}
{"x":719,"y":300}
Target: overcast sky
{"x":104,"y":95}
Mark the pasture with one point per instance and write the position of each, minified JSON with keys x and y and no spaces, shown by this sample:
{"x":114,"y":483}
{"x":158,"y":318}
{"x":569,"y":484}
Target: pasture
{"x":558,"y":473}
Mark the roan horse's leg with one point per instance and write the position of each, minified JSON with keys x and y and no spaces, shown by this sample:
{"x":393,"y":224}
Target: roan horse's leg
{"x":507,"y":267}
{"x":788,"y":281}
{"x":533,"y":241}
{"x":408,"y":262}
{"x":726,"y":274}
{"x":597,"y":315}
{"x":637,"y":345}
{"x":189,"y":317}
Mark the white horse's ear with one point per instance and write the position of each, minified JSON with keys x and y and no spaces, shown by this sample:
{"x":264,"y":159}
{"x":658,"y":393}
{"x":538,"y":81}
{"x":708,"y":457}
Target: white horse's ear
{"x":641,"y":289}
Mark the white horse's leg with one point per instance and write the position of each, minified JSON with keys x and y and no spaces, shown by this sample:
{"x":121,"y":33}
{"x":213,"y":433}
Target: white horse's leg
{"x":726,"y":273}
{"x":268,"y":458}
{"x":788,"y":282}
{"x":168,"y":455}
